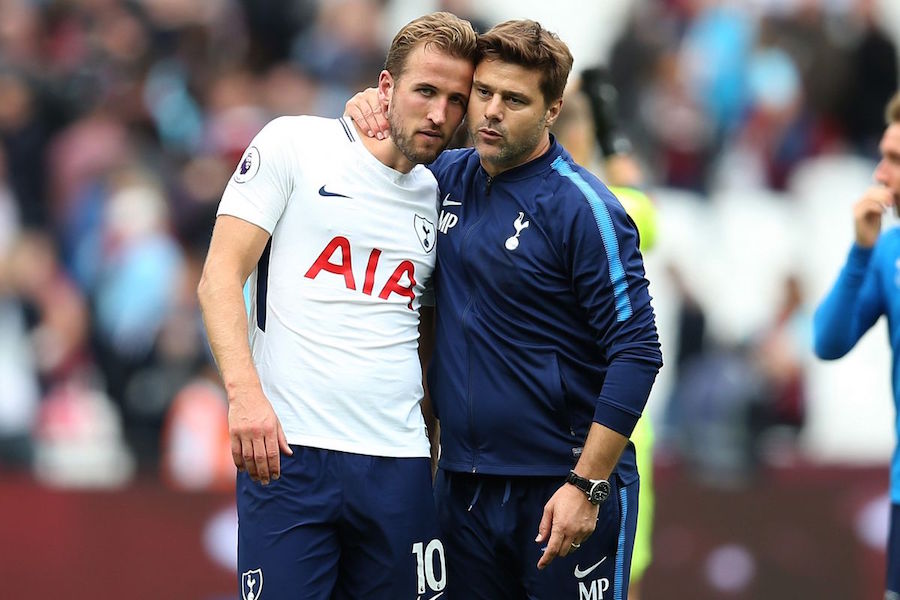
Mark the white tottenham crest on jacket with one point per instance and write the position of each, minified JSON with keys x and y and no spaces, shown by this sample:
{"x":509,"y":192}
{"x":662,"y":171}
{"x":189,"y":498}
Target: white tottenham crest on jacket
{"x":334,"y":316}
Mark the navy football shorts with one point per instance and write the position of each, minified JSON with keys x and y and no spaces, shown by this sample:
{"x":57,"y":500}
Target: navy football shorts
{"x":340,"y":526}
{"x":489,"y":524}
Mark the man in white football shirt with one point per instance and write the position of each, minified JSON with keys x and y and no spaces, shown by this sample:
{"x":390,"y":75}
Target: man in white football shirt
{"x":336,"y":232}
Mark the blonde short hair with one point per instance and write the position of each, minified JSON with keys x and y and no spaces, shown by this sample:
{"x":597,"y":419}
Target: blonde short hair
{"x":441,"y":30}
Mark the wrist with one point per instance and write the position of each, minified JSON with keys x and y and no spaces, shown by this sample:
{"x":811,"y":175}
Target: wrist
{"x":239,"y":388}
{"x":596,"y":490}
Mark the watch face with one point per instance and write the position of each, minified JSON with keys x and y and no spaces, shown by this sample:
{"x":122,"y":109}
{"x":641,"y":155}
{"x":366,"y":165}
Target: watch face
{"x":599,"y":492}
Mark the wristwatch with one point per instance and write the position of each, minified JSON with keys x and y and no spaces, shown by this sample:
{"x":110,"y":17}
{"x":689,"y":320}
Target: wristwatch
{"x":597,"y":490}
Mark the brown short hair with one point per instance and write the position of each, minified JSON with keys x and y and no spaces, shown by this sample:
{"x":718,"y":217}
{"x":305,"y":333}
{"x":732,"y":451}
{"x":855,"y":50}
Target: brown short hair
{"x":445,"y":31}
{"x":892,"y":112}
{"x":527,"y":44}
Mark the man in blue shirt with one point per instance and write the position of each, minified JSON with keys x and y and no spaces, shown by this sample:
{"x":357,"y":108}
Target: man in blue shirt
{"x":545,"y":344}
{"x":867,"y":288}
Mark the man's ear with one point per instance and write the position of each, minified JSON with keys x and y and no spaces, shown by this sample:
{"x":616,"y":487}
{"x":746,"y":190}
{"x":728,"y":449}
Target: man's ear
{"x":553,"y":111}
{"x":385,"y":90}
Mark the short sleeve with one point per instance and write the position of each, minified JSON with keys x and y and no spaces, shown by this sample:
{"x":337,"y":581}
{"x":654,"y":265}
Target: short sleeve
{"x":259,"y":189}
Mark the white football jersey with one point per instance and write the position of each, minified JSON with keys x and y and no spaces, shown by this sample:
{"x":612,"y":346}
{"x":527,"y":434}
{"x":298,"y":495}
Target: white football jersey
{"x":335,"y":296}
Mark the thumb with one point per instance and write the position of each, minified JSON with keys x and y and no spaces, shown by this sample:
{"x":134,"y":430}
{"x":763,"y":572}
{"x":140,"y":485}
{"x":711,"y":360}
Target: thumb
{"x":282,"y":442}
{"x":546,"y":521}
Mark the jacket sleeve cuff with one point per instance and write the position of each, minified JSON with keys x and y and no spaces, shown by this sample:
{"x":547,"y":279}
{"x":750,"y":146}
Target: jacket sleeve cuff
{"x":625,"y":390}
{"x":618,"y":420}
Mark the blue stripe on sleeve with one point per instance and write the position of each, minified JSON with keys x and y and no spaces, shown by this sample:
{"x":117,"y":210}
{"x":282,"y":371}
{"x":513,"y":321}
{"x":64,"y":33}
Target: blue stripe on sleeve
{"x":620,"y":549}
{"x":607,"y":234}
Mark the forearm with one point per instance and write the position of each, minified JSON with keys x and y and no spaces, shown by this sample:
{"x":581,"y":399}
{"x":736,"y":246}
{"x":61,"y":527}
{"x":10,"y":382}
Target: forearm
{"x":846,"y":312}
{"x":225,"y":317}
{"x":601,"y":452}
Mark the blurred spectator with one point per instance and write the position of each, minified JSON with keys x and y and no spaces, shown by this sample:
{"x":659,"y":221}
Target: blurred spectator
{"x":811,"y":35}
{"x":19,"y":400}
{"x":138,"y":264}
{"x":873,"y":79}
{"x":710,"y":412}
{"x":713,"y":60}
{"x":58,"y":313}
{"x":690,"y":332}
{"x":24,"y":134}
{"x":196,"y":448}
{"x":343,"y":48}
{"x":777,"y":131}
{"x":779,"y":350}
{"x":179,"y":359}
{"x":78,"y":440}
{"x":273,"y":25}
{"x":737,"y":406}
{"x":684,"y":134}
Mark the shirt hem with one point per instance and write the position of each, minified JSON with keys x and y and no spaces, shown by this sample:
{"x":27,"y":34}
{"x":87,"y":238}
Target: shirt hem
{"x":354,"y":447}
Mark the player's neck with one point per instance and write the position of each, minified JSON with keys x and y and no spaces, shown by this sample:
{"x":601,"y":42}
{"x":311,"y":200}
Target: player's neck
{"x":385,"y":151}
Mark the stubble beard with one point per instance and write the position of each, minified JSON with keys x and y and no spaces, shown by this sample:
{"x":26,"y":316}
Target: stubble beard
{"x":509,"y":154}
{"x":405,"y":144}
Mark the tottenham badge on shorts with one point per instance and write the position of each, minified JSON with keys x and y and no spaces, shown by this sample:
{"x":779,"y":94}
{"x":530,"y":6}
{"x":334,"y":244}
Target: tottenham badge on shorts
{"x":425,"y":231}
{"x":249,"y":166}
{"x":251,"y":584}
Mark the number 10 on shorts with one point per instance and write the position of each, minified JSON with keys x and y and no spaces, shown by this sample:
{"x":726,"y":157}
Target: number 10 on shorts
{"x":425,"y":566}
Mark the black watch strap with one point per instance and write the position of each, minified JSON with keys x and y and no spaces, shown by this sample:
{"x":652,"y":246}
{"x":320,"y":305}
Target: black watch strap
{"x":596,"y":490}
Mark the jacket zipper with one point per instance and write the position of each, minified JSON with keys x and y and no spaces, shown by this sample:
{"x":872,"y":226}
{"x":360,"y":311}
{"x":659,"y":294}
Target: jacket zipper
{"x":466,"y":312}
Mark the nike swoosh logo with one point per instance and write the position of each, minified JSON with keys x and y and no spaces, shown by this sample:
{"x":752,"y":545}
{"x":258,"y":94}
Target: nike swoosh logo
{"x":323,"y":192}
{"x":449,"y":202}
{"x":582,"y":574}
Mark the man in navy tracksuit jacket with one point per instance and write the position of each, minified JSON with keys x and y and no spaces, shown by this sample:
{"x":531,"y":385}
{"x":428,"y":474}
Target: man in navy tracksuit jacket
{"x":543,"y":326}
{"x":545,"y":346}
{"x":543,"y":329}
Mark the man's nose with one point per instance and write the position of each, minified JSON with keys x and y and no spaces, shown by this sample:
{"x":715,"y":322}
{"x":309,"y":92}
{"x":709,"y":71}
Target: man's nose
{"x":493,"y":108}
{"x":438,"y":112}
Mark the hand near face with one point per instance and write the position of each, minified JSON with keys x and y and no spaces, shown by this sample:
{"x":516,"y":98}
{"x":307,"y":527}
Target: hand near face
{"x":867,"y":214}
{"x":366,"y":111}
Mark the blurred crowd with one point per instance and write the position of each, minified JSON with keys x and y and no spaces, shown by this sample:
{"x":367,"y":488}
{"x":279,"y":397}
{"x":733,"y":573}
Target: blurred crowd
{"x":738,"y":93}
{"x":121,"y":121}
